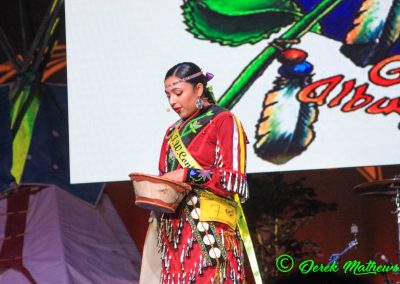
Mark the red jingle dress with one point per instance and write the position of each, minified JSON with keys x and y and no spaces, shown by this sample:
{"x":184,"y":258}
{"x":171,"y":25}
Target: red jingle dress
{"x":204,"y":252}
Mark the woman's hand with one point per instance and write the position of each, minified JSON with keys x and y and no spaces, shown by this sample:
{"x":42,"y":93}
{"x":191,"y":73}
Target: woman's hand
{"x":176,"y":175}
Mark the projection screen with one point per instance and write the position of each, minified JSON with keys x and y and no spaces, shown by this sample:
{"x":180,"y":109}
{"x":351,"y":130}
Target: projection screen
{"x":322,"y":104}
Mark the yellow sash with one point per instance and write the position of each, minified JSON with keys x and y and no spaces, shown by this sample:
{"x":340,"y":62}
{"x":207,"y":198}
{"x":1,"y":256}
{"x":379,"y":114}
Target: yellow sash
{"x":187,"y":161}
{"x":181,"y":153}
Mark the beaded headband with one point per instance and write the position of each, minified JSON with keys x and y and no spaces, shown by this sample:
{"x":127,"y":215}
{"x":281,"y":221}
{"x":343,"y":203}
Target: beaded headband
{"x":209,"y":76}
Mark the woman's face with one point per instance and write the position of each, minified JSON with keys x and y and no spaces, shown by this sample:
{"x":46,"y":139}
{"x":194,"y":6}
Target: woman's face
{"x":182,"y":96}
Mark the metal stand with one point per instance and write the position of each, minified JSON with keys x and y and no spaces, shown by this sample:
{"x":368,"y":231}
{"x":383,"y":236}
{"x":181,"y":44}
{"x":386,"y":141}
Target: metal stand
{"x":335,"y":257}
{"x":397,"y":201}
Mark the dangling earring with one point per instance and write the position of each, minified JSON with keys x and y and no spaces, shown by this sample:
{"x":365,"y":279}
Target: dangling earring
{"x":199,"y":103}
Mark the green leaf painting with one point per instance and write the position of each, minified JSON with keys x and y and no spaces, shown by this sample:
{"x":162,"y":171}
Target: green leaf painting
{"x":234,"y":23}
{"x":249,"y":7}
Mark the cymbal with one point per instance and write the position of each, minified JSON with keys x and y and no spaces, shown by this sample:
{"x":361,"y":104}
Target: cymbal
{"x":385,"y":187}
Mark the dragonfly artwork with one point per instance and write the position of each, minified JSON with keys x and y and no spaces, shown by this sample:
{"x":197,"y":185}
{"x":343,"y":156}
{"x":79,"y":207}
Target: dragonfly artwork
{"x":368,"y":31}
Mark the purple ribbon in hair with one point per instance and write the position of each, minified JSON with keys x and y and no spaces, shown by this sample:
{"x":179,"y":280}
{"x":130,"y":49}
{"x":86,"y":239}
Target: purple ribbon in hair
{"x":209,"y":76}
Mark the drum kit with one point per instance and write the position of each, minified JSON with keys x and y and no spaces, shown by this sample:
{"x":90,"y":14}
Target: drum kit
{"x":389,"y":188}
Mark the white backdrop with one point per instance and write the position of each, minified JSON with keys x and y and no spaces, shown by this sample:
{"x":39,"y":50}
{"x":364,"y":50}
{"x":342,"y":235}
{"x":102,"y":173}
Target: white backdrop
{"x":118,"y":52}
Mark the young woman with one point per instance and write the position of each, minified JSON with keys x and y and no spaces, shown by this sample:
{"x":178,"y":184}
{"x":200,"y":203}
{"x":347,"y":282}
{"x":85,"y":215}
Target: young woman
{"x":205,"y":148}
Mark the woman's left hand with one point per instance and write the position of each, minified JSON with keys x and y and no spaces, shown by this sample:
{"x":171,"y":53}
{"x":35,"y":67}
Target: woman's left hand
{"x":176,"y":175}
